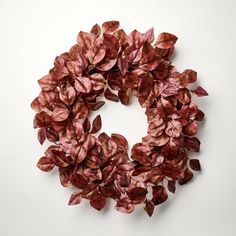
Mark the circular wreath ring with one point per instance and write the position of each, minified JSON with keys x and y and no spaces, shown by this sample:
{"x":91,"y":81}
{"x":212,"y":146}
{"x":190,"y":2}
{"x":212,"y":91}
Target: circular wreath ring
{"x":109,"y":62}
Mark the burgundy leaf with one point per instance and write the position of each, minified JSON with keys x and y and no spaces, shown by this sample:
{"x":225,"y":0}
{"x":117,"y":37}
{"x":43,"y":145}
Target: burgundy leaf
{"x":45,"y":164}
{"x":67,"y":95}
{"x":96,"y":125}
{"x":83,"y":84}
{"x":149,"y":35}
{"x":111,"y":96}
{"x":42,"y":119}
{"x":60,"y":159}
{"x":86,"y":40}
{"x":42,"y":135}
{"x":124,"y":96}
{"x":171,"y":186}
{"x":192,"y":143}
{"x":149,"y":207}
{"x":173,"y":128}
{"x":124,"y":205}
{"x":98,"y":81}
{"x":137,"y":194}
{"x":200,"y":92}
{"x":79,"y":180}
{"x":191,"y":129}
{"x":47,"y":83}
{"x":159,"y":194}
{"x":75,"y":198}
{"x":106,"y":65}
{"x":195,"y":164}
{"x":166,"y":40}
{"x":110,"y":26}
{"x":60,"y":114}
{"x":123,"y":65}
{"x":97,"y":200}
{"x":188,"y":175}
{"x":96,"y":29}
{"x":120,"y":140}
{"x":96,"y":106}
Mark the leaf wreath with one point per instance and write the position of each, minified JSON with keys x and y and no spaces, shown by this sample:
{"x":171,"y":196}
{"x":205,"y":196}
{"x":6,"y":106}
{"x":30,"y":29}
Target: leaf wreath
{"x":109,"y":62}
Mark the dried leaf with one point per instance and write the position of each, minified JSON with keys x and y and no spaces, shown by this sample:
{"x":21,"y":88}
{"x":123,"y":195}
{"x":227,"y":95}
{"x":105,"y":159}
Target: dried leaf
{"x":188,"y":175}
{"x":96,"y":125}
{"x":67,"y":95}
{"x":166,"y":40}
{"x":200,"y":92}
{"x":97,"y":200}
{"x":149,"y":207}
{"x":137,"y":194}
{"x":110,"y":26}
{"x":83,"y":84}
{"x":42,"y":135}
{"x":47,"y":83}
{"x":46,"y":164}
{"x":171,"y":186}
{"x":75,"y":199}
{"x":98,"y":81}
{"x":111,"y":96}
{"x":159,"y":194}
{"x":195,"y":164}
{"x":60,"y":114}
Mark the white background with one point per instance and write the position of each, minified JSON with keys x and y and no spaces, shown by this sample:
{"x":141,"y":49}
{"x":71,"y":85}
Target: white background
{"x":32,"y":33}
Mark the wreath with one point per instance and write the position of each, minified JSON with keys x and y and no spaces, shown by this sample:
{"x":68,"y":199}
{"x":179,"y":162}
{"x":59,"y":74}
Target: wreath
{"x":109,"y":62}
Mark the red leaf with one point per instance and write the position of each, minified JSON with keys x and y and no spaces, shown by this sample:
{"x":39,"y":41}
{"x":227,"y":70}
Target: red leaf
{"x":191,"y":129}
{"x":60,"y":159}
{"x":111,"y":96}
{"x":124,"y":205}
{"x":159,"y":194}
{"x":86,"y":40}
{"x":165,"y":41}
{"x":97,"y":53}
{"x":47,"y":83}
{"x":98,"y":81}
{"x":124,"y":97}
{"x":96,"y":29}
{"x":67,"y":95}
{"x":123,"y":65}
{"x":188,"y":175}
{"x":42,"y":119}
{"x":149,"y":207}
{"x":60,"y":114}
{"x":137,"y":38}
{"x":95,"y":106}
{"x":79,"y":180}
{"x":97,"y":200}
{"x":171,"y":186}
{"x":45,"y":164}
{"x":83,"y":84}
{"x":192,"y":143}
{"x":149,"y":35}
{"x":195,"y":164}
{"x":106,"y":65}
{"x":173,"y":128}
{"x":200,"y":92}
{"x":75,"y":198}
{"x":137,"y":194}
{"x":120,"y":140}
{"x":96,"y":125}
{"x":110,"y":26}
{"x":80,"y":110}
{"x":111,"y":44}
{"x":42,"y":135}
